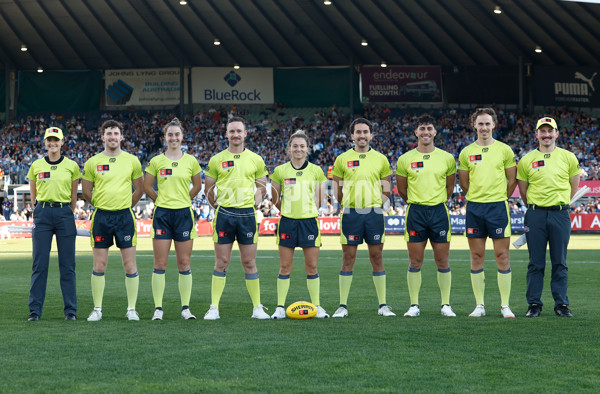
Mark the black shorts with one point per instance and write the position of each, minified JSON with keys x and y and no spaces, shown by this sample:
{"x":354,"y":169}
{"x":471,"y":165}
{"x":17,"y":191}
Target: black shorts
{"x":366,"y":225}
{"x":304,"y":233}
{"x":175,"y":224}
{"x":425,"y":222}
{"x":235,"y":223}
{"x":487,"y":219}
{"x":108,"y":224}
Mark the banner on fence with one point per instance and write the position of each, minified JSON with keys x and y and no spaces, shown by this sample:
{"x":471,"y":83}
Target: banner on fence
{"x":142,"y":87}
{"x":421,"y":84}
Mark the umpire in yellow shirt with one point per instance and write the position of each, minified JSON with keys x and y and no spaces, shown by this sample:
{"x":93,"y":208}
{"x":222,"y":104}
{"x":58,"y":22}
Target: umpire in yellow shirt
{"x":548,"y":177}
{"x":53,"y":183}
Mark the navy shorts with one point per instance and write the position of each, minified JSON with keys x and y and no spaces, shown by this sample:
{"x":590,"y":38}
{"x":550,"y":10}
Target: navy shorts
{"x":175,"y":224}
{"x":235,"y":223}
{"x":427,"y":223}
{"x":487,"y":219}
{"x":118,"y":224}
{"x":304,"y":233}
{"x":356,"y":227}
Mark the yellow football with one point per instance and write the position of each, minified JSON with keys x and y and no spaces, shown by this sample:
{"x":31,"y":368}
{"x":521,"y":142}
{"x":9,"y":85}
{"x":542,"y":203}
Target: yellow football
{"x":301,"y":310}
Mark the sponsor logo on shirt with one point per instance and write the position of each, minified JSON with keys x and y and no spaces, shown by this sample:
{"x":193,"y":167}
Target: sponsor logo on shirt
{"x":474,"y":158}
{"x":537,"y":164}
{"x":102,"y":168}
{"x":426,"y":157}
{"x":353,"y":164}
{"x":485,"y":150}
{"x":44,"y":175}
{"x":228,"y":164}
{"x":112,"y":160}
{"x":166,"y":172}
{"x":416,"y":165}
{"x":53,"y":168}
{"x":289,"y":181}
{"x":236,"y":156}
{"x":299,"y":173}
{"x":362,"y":156}
{"x":547,"y":156}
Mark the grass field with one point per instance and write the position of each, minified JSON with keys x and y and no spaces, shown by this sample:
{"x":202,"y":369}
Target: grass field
{"x":363,"y":352}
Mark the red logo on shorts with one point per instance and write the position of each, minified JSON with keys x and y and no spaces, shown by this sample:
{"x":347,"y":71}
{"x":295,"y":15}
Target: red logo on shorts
{"x":413,"y":233}
{"x":284,"y":236}
{"x":472,"y":231}
{"x":160,"y":232}
{"x":353,"y":238}
{"x":99,"y":238}
{"x":222,"y":234}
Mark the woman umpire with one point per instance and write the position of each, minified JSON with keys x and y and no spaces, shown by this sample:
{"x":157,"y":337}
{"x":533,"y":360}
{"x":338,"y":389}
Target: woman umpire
{"x":297,"y":192}
{"x":173,"y":219}
{"x":53,"y":184}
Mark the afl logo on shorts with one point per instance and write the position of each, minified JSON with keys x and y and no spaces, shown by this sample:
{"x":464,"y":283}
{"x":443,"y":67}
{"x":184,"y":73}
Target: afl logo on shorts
{"x":160,"y":232}
{"x":102,"y":168}
{"x":99,"y":238}
{"x":284,"y":236}
{"x":352,"y":237}
{"x":472,"y":231}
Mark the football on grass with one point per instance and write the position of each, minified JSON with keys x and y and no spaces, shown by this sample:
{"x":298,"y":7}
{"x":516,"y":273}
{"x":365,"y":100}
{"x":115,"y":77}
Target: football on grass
{"x":301,"y":310}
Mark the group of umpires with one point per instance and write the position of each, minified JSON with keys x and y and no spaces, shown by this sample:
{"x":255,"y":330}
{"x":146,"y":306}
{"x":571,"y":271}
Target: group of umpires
{"x":547,"y":177}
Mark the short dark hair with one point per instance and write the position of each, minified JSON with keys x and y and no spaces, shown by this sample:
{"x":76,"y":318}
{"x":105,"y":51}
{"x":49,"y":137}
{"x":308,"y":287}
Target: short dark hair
{"x":425,"y":119}
{"x":237,"y":119}
{"x":484,"y":111}
{"x":360,"y":121}
{"x":111,"y":123}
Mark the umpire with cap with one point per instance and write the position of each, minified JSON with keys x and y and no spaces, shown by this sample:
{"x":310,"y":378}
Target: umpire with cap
{"x":548,"y":177}
{"x":53,"y":183}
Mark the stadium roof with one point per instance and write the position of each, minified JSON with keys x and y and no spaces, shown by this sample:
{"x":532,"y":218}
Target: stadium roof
{"x":94,"y":34}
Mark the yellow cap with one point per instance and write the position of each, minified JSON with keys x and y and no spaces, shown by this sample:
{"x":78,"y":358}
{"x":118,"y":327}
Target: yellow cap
{"x":54,"y":132}
{"x":548,"y":121}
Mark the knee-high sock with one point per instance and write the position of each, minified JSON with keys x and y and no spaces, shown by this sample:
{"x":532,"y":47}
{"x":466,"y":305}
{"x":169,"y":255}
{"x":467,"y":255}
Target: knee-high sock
{"x":504,"y":283}
{"x":283,"y":286}
{"x":478,"y":283}
{"x":97,"y":288}
{"x":313,"y":283}
{"x":379,"y":279}
{"x":445,"y":283}
{"x":253,"y":286}
{"x":345,"y":283}
{"x":158,"y":287}
{"x":218,"y":285}
{"x":185,"y":287}
{"x":413,"y":278}
{"x":132,"y":284}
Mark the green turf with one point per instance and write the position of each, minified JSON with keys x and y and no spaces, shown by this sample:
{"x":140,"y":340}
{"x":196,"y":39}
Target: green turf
{"x":364,"y":352}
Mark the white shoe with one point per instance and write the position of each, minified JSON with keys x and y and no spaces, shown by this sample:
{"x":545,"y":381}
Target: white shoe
{"x":321,"y":314}
{"x":385,"y":310}
{"x":158,"y":314}
{"x":413,"y":311}
{"x":279,"y":313}
{"x":186,"y":314}
{"x":341,"y":312}
{"x":132,"y":314}
{"x":447,"y":311}
{"x":479,"y":311}
{"x":96,"y":315}
{"x":212,"y":314}
{"x":506,"y":312}
{"x":259,"y":313}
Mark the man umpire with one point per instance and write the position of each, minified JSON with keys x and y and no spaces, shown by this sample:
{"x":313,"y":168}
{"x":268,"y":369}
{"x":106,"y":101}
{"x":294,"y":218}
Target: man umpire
{"x":548,"y":177}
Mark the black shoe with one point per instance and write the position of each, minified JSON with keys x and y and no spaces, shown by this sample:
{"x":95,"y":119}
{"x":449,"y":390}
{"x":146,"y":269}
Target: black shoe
{"x":562,"y":311}
{"x":534,"y":310}
{"x":70,"y":316}
{"x":33,"y":317}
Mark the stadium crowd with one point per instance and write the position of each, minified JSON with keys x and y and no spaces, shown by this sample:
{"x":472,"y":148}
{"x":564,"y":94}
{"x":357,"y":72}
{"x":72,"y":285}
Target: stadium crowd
{"x":22,"y":142}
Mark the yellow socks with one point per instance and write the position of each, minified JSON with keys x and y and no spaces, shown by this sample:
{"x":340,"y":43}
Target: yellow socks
{"x":97,"y":288}
{"x":478,"y":283}
{"x":253,"y":286}
{"x":379,"y":281}
{"x":504,"y":282}
{"x":218,"y":285}
{"x":345,"y":283}
{"x":132,"y":283}
{"x":158,"y":287}
{"x":445,"y":283}
{"x":313,"y":283}
{"x":283,"y":285}
{"x":413,"y":277}
{"x":185,"y":287}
